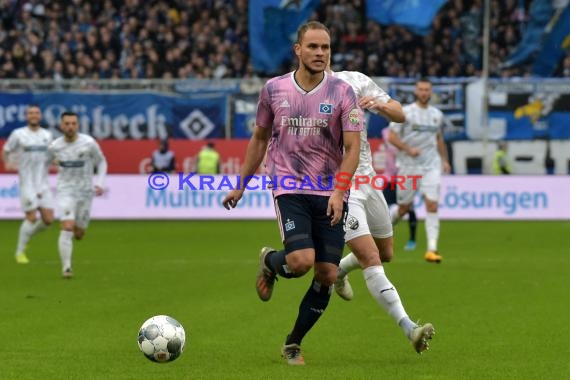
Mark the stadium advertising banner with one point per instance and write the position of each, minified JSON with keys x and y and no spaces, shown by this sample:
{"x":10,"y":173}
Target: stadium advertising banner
{"x":463,"y":198}
{"x":123,"y":115}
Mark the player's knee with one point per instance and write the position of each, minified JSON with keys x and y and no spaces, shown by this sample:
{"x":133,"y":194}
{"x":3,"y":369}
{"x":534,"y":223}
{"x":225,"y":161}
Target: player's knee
{"x":299,"y":265}
{"x":369,"y":257}
{"x":431,"y":206}
{"x":326,"y":278}
{"x":47,"y":220}
{"x":79,"y":234}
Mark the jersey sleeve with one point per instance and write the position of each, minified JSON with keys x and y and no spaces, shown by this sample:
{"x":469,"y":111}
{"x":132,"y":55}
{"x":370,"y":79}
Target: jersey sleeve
{"x":100,"y":162}
{"x":370,"y":88}
{"x":96,"y":153}
{"x":264,"y":116}
{"x":352,"y":116}
{"x":12,"y":143}
{"x":396,"y":127}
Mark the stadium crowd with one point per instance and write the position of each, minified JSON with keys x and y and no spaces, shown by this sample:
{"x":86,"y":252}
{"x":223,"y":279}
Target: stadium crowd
{"x":209,"y":39}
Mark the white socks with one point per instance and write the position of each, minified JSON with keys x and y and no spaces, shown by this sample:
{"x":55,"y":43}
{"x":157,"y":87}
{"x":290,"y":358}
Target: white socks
{"x":65,"y":245}
{"x":387,"y":296}
{"x":27,"y":230}
{"x":347,"y":265}
{"x":432,"y":230}
{"x":24,"y":236}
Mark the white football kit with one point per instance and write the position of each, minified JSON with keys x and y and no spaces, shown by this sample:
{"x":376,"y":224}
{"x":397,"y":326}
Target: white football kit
{"x":77,"y":161}
{"x":31,"y":148}
{"x":419,"y":131}
{"x":368,"y":212}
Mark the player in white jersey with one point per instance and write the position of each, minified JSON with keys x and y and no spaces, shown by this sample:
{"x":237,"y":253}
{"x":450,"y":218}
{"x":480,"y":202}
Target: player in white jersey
{"x":368,"y":226}
{"x":422,"y":153}
{"x":76,"y":155}
{"x":26,"y":151}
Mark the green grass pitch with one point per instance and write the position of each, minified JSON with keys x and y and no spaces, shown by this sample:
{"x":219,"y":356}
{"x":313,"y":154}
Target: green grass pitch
{"x":499,"y":302}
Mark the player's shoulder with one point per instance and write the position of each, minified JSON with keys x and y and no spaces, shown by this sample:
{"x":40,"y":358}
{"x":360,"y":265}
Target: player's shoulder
{"x":58,"y":141}
{"x":352,"y":76}
{"x":16,"y":132}
{"x":409,"y":107}
{"x":344,"y":79}
{"x":278,"y":79}
{"x":436,"y":111}
{"x":85,"y":138}
{"x":56,"y":144}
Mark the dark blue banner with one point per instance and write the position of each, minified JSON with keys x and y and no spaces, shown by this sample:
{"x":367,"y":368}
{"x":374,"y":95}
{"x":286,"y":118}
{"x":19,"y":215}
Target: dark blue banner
{"x":129,"y":116}
{"x":415,"y":15}
{"x":273,"y":28}
{"x":244,"y":111}
{"x":13,"y":111}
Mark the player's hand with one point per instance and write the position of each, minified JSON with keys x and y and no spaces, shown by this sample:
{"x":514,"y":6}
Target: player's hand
{"x":98,"y":191}
{"x":10,"y":166}
{"x":446,"y":167}
{"x":413,"y":152}
{"x":367,"y":102}
{"x":335,"y":207}
{"x":232,"y":199}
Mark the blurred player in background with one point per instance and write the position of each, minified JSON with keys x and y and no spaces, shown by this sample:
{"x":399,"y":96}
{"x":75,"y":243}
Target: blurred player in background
{"x":26,"y":151}
{"x":308,"y":118}
{"x":422,"y":152}
{"x":390,"y":169}
{"x":77,"y":155}
{"x":368,"y":226}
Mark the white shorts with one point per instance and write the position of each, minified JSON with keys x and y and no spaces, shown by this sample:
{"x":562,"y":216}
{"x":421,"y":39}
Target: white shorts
{"x":428,"y":185}
{"x":75,"y":208}
{"x":368,"y":214}
{"x":32,"y":200}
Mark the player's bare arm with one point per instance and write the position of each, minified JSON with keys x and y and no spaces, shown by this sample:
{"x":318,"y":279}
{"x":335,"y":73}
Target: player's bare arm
{"x":253,"y":158}
{"x":395,"y":140}
{"x":442,"y":149}
{"x":391,"y":110}
{"x":348,"y":165}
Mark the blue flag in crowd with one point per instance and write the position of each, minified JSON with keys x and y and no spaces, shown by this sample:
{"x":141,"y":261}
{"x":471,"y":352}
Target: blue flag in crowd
{"x":540,"y":13}
{"x":556,"y":42}
{"x":415,"y":15}
{"x":273,"y":28}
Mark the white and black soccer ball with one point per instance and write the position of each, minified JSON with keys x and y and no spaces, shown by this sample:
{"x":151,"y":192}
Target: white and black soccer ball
{"x":162,"y":339}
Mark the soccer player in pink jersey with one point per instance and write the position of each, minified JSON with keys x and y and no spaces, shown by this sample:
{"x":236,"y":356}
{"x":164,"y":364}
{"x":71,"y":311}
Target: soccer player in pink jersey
{"x":310,"y":124}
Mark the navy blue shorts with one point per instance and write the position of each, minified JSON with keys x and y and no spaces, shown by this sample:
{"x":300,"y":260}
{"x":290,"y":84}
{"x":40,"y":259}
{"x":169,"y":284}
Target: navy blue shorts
{"x":304,"y":223}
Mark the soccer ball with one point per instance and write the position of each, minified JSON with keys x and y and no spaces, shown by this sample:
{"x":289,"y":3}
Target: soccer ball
{"x":162,"y":339}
